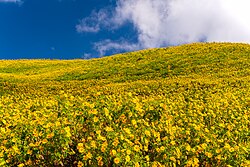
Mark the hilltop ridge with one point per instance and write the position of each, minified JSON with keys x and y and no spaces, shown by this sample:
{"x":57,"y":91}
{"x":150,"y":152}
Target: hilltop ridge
{"x":198,"y":59}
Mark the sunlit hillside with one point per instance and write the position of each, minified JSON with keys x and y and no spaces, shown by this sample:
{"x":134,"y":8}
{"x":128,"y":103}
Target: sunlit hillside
{"x":178,"y":106}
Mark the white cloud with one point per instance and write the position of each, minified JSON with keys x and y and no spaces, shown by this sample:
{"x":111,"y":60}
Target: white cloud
{"x":94,"y":22}
{"x":87,"y":56}
{"x":116,"y":46}
{"x":172,"y":22}
{"x":52,"y":48}
{"x":11,"y":1}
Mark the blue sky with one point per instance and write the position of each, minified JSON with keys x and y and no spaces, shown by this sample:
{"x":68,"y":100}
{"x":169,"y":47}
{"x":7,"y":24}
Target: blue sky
{"x":47,"y":29}
{"x":70,"y":29}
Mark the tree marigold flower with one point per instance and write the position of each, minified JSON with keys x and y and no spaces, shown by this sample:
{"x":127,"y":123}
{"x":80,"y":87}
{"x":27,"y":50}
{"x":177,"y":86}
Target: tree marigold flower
{"x":117,"y":160}
{"x":172,"y":142}
{"x":80,"y":164}
{"x":133,"y":122}
{"x":96,"y":119}
{"x":188,"y":148}
{"x":208,"y":154}
{"x":50,"y":135}
{"x":147,"y":158}
{"x":136,"y":148}
{"x":81,"y":150}
{"x":109,"y":129}
{"x":128,"y":152}
{"x":113,"y":152}
{"x":231,"y":149}
{"x":79,"y":145}
{"x":147,"y":133}
{"x":100,"y":163}
{"x":227,"y":146}
{"x":127,"y":158}
{"x":21,"y":165}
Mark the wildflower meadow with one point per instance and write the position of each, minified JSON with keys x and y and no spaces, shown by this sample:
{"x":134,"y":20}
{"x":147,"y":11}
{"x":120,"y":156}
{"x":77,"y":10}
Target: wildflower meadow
{"x":179,"y":106}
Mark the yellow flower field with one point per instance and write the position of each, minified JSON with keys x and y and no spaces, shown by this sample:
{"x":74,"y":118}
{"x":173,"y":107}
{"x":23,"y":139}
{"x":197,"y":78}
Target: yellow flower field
{"x":179,"y":106}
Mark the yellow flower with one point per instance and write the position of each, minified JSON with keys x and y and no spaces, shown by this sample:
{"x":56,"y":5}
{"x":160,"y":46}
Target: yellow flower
{"x":50,"y":135}
{"x":218,"y":157}
{"x":147,"y":158}
{"x":155,"y":164}
{"x":127,"y":130}
{"x":81,"y":150}
{"x":204,"y":145}
{"x":113,"y":152}
{"x":109,"y":129}
{"x":67,"y":130}
{"x":173,"y":143}
{"x":44,"y":141}
{"x":208,"y":154}
{"x":157,"y":150}
{"x":147,"y":133}
{"x":128,"y":152}
{"x":21,"y":165}
{"x":96,"y":119}
{"x":231,"y":149}
{"x":93,"y":144}
{"x":79,"y":164}
{"x":137,"y":164}
{"x":218,"y":151}
{"x":162,"y":148}
{"x":28,"y":163}
{"x":101,"y":138}
{"x":35,"y":133}
{"x":227,"y":146}
{"x":94,"y":111}
{"x":103,"y":148}
{"x":178,"y":152}
{"x":98,"y":132}
{"x":146,"y":141}
{"x":127,"y":158}
{"x":99,"y":158}
{"x":145,"y":148}
{"x":196,"y":160}
{"x":58,"y":123}
{"x":100,"y":163}
{"x":16,"y":150}
{"x":106,"y":111}
{"x":29,"y":152}
{"x":136,"y":148}
{"x":116,"y":142}
{"x":130,"y":114}
{"x":236,"y":148}
{"x":121,"y":137}
{"x":88,"y":156}
{"x":117,"y":160}
{"x":193,"y":150}
{"x":133,"y":122}
{"x":188,"y":148}
{"x":221,"y":140}
{"x":79,"y":145}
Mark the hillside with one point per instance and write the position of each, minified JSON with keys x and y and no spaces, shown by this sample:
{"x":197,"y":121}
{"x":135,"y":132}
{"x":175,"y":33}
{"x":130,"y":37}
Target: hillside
{"x":187,"y":105}
{"x":202,"y":60}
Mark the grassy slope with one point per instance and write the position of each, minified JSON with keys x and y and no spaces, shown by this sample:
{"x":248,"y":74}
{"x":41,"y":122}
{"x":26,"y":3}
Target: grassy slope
{"x":192,"y":87}
{"x":195,"y":60}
